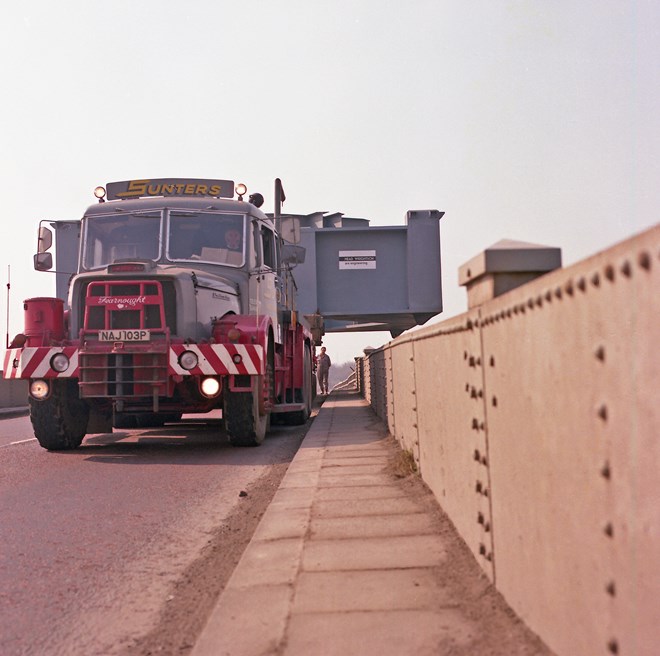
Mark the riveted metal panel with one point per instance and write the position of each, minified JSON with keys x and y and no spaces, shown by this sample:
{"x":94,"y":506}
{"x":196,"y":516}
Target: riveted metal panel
{"x":571,"y":370}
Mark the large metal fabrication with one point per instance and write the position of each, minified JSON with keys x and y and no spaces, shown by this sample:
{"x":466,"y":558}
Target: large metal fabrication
{"x":179,"y":296}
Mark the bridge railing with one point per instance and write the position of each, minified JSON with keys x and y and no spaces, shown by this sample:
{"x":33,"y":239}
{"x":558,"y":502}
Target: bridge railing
{"x":535,"y":419}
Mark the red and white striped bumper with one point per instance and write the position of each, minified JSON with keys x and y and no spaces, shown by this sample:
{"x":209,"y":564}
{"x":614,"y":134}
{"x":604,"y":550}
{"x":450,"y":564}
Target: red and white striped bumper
{"x":34,"y":362}
{"x":213,"y":360}
{"x":219,"y":359}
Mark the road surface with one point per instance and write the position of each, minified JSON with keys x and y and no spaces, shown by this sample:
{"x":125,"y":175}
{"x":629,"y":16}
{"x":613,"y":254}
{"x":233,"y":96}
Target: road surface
{"x":122,"y":546}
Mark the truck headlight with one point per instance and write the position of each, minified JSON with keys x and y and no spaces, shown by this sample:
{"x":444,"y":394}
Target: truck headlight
{"x":210,"y":387}
{"x":59,"y":362}
{"x":188,"y":360}
{"x":39,"y":389}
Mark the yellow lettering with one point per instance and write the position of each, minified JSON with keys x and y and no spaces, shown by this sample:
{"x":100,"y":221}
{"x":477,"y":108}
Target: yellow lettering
{"x":201,"y":190}
{"x":154,"y":190}
{"x":190,"y":189}
{"x":180,"y":188}
{"x":214,"y":190}
{"x":168,"y":189}
{"x":135,"y":188}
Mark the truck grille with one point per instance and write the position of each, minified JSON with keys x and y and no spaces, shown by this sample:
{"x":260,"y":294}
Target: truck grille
{"x":126,"y":374}
{"x":124,"y":369}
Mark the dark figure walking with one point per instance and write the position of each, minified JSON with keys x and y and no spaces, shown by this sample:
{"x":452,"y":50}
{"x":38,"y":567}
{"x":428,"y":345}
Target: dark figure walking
{"x":323,"y":365}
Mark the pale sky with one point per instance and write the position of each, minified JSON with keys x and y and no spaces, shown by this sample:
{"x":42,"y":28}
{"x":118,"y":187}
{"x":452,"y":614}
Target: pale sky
{"x":529,"y":120}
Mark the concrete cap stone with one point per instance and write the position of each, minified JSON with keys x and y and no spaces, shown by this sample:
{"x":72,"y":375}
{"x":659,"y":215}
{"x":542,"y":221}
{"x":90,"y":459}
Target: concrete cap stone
{"x":510,"y":256}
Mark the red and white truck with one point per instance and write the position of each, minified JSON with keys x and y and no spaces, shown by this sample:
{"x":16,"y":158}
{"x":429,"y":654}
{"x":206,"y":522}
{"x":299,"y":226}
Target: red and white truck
{"x":182,"y":301}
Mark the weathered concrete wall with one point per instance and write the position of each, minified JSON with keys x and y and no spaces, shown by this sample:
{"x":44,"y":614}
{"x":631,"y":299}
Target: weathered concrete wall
{"x":534,"y":419}
{"x":13,"y":393}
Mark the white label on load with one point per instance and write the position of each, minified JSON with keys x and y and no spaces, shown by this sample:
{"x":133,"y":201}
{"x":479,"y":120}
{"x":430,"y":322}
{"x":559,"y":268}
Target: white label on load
{"x":357,"y":259}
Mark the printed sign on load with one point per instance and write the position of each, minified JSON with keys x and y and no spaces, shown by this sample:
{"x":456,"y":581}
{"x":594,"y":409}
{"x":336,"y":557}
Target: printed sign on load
{"x":357,"y":259}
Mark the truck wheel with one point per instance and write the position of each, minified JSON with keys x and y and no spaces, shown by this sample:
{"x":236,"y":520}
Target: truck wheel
{"x":301,"y":416}
{"x":60,"y":421}
{"x":243,"y":421}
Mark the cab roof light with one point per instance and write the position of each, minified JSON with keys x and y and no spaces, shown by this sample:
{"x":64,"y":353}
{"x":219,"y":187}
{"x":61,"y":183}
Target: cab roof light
{"x":99,"y":192}
{"x":241,"y":190}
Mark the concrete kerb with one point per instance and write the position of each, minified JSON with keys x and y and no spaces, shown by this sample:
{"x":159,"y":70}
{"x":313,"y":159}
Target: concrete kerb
{"x":340,"y":542}
{"x":253,"y":612}
{"x":9,"y":413}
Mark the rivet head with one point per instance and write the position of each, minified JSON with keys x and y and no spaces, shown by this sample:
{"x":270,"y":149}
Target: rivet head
{"x":606,"y":471}
{"x":613,"y":646}
{"x":595,"y":280}
{"x":600,"y":353}
{"x":609,"y":530}
{"x":609,"y":272}
{"x":610,"y":588}
{"x":480,"y":518}
{"x":644,"y":260}
{"x":602,"y":412}
{"x":626,"y":269}
{"x":482,"y":549}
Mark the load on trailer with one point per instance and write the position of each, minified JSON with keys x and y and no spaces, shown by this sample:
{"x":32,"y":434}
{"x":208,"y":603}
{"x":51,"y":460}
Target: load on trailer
{"x":178,"y":296}
{"x":182,"y":302}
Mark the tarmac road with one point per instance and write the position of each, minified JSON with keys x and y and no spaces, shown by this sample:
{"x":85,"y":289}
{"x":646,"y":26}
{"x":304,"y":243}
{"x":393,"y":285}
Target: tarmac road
{"x":96,"y":544}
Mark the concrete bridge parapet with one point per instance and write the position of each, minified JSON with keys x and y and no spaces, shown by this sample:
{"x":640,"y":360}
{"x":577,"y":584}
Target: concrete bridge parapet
{"x":534,"y":419}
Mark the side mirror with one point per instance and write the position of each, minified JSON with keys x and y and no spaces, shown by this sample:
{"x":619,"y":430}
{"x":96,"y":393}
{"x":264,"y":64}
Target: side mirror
{"x":290,"y":229}
{"x":292,"y":254}
{"x":43,"y":261}
{"x":45,"y":240}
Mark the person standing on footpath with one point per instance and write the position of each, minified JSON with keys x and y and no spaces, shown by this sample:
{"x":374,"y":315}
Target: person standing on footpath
{"x":323,"y":365}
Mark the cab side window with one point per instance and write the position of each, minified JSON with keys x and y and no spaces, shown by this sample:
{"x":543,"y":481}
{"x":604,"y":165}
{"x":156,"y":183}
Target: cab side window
{"x":268,"y":247}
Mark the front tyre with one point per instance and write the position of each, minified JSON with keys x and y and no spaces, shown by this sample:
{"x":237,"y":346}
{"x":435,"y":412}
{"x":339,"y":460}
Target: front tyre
{"x":245,"y":424}
{"x":60,"y":421}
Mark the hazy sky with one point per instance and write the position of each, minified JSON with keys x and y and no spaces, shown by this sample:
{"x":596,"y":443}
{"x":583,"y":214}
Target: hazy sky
{"x":522,"y":119}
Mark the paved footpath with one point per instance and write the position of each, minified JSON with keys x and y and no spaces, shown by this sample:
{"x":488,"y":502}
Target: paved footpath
{"x":346,"y":560}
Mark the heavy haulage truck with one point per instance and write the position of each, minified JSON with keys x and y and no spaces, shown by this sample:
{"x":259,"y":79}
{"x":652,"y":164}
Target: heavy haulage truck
{"x":182,"y":301}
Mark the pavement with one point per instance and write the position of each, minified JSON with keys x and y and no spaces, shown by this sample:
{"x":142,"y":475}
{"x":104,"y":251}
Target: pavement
{"x":17,"y":411}
{"x":345,"y":559}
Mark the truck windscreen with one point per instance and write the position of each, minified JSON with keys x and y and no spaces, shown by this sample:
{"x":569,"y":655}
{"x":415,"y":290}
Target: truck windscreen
{"x":213,"y":237}
{"x":108,"y":239}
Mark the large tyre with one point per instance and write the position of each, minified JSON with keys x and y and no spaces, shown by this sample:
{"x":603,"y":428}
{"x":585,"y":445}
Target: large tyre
{"x":245,"y":424}
{"x":245,"y":414}
{"x":301,"y":416}
{"x":60,"y":421}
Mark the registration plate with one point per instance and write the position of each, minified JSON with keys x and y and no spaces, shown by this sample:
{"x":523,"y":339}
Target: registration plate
{"x":124,"y":335}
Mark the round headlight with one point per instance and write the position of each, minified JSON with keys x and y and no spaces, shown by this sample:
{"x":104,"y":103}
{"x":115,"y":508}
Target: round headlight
{"x":237,"y":358}
{"x":233,"y":334}
{"x":241,"y":189}
{"x":188,"y":360}
{"x":99,"y":192}
{"x":210,"y":387}
{"x":39,"y":389}
{"x":59,"y":362}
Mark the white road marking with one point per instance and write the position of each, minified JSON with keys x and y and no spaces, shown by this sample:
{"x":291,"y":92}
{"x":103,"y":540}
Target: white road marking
{"x":32,"y":439}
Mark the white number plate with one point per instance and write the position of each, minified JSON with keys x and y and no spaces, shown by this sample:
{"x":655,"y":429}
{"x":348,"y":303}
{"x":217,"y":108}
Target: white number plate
{"x":124,"y":335}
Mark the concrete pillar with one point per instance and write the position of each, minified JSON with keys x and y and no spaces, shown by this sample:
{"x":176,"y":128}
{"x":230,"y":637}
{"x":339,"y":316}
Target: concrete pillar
{"x":505,"y":266}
